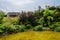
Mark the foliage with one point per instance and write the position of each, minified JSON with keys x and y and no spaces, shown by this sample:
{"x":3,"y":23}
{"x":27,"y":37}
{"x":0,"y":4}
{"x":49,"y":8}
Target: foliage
{"x":48,"y":17}
{"x":6,"y":20}
{"x":10,"y":20}
{"x":52,"y":27}
{"x":15,"y":21}
{"x":1,"y":27}
{"x":57,"y":26}
{"x":57,"y":29}
{"x":41,"y":21}
{"x":28,"y":26}
{"x":9,"y":28}
{"x":38,"y":28}
{"x":23,"y":18}
{"x":1,"y":16}
{"x":21,"y":28}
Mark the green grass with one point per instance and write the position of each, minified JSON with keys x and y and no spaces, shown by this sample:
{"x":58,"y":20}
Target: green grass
{"x":33,"y":35}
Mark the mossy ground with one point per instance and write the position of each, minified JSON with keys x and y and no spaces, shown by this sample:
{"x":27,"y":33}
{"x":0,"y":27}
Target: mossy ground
{"x":33,"y":35}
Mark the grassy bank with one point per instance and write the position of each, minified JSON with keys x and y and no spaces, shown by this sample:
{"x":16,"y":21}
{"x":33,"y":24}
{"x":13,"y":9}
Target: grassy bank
{"x":33,"y":35}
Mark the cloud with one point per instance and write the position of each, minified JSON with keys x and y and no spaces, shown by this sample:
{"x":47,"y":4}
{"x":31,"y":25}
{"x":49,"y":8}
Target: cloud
{"x":14,"y":5}
{"x":3,"y":10}
{"x":19,"y":2}
{"x":6,"y":9}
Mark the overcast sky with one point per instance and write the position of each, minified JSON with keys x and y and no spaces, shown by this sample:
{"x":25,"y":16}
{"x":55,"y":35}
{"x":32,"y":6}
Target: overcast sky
{"x":25,"y":5}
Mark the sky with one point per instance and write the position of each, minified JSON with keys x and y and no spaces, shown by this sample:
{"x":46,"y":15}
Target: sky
{"x":25,"y":5}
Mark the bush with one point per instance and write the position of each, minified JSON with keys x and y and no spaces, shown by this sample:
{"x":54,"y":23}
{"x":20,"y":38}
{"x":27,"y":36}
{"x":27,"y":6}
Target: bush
{"x":57,"y":29}
{"x":52,"y":27}
{"x":21,"y":28}
{"x":1,"y":16}
{"x":8,"y":28}
{"x":7,"y":20}
{"x":38,"y":28}
{"x":28,"y":26}
{"x":14,"y":21}
{"x":10,"y":20}
{"x":1,"y":31}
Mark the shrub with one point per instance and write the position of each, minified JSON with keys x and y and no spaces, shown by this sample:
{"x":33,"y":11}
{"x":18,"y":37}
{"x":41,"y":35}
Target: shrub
{"x":8,"y":28}
{"x":14,"y":21}
{"x":57,"y":29}
{"x":52,"y":27}
{"x":1,"y":16}
{"x":28,"y":26}
{"x":21,"y":28}
{"x":57,"y":24}
{"x":11,"y":28}
{"x":7,"y":20}
{"x":38,"y":28}
{"x":1,"y":31}
{"x":10,"y":20}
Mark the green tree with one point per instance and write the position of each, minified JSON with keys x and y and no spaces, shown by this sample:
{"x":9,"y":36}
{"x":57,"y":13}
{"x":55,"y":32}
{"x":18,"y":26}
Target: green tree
{"x":1,"y":16}
{"x":38,"y":12}
{"x":57,"y":14}
{"x":48,"y":16}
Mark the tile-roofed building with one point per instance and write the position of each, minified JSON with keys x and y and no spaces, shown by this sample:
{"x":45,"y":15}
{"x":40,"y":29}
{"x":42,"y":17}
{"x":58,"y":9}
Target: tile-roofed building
{"x":19,"y":14}
{"x":13,"y":14}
